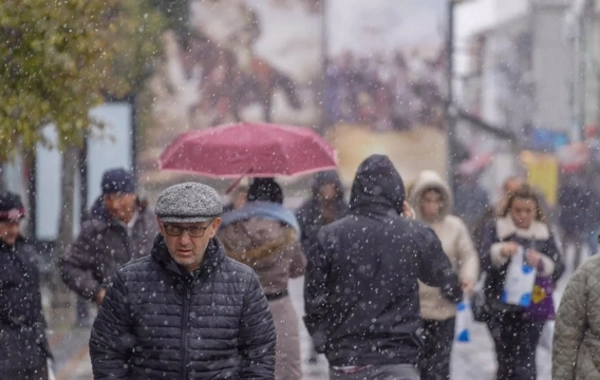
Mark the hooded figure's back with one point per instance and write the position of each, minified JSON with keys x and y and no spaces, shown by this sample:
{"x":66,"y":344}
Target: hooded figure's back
{"x":361,"y":291}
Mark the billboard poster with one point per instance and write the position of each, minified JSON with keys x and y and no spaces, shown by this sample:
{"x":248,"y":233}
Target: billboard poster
{"x":386,"y":73}
{"x":246,"y":60}
{"x":263,"y":60}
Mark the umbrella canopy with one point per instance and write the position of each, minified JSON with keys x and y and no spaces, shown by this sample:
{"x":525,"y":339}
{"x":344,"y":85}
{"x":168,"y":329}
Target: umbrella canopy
{"x":254,"y":149}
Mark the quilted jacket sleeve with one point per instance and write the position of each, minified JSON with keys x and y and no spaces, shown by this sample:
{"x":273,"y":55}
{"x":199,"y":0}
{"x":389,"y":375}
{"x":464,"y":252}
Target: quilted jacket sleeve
{"x":257,"y":335}
{"x":112,"y":339}
{"x":571,"y":322}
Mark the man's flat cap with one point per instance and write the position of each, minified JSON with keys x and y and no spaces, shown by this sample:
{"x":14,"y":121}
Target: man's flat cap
{"x":189,"y":202}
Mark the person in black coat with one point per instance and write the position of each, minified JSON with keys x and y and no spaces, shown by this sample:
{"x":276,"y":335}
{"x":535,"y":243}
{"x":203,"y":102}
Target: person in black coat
{"x":24,"y":350}
{"x":361,"y":291}
{"x":326,"y":205}
{"x":187,"y":311}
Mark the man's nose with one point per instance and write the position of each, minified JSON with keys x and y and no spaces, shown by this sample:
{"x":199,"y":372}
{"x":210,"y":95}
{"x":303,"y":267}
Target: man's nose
{"x":184,"y":239}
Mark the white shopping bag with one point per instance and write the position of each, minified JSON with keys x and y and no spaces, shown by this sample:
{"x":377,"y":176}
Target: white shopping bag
{"x":464,"y":321}
{"x":50,"y":371}
{"x":519,"y":282}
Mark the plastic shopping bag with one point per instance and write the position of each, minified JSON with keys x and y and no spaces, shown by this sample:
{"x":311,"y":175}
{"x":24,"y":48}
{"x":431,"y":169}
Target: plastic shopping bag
{"x":50,"y":370}
{"x":464,"y":321}
{"x":519,"y":281}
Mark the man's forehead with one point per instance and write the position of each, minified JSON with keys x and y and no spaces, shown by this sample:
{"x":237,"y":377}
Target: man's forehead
{"x":186,"y":225}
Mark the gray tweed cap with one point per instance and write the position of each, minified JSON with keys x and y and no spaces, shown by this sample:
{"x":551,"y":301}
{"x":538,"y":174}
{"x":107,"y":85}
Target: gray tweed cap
{"x":188,"y":202}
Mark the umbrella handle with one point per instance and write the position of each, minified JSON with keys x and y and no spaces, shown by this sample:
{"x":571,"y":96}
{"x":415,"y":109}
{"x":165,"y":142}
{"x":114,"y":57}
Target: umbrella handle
{"x":237,"y":182}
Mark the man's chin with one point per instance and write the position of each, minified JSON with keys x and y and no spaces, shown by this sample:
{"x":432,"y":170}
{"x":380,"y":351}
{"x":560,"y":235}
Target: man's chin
{"x":187,"y":263}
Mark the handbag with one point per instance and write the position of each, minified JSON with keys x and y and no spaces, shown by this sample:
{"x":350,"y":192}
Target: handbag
{"x":542,"y":301}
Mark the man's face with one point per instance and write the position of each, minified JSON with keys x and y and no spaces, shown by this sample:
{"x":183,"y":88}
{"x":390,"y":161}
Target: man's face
{"x":187,"y":242}
{"x":9,"y":232}
{"x":121,"y":206}
{"x":328,"y":192}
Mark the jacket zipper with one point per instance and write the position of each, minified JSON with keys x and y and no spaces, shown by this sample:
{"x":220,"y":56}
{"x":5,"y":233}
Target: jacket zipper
{"x":185,"y":333}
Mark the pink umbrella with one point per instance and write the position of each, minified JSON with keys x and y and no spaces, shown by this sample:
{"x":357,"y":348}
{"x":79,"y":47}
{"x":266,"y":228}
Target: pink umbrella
{"x":254,"y":149}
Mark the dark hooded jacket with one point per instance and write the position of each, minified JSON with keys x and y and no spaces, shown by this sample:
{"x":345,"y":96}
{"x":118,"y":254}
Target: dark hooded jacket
{"x":104,"y":244}
{"x":361,"y":292}
{"x":310,"y":213}
{"x":23,"y":343}
{"x":159,"y":322}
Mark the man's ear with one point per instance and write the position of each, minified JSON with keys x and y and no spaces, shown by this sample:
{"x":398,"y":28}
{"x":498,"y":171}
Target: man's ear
{"x":161,"y":228}
{"x":215,"y":227}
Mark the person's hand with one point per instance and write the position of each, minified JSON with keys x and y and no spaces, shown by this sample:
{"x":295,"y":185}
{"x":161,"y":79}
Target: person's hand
{"x":407,"y":211}
{"x":100,"y":296}
{"x":510,"y":249}
{"x":467,"y":287}
{"x":533,"y":258}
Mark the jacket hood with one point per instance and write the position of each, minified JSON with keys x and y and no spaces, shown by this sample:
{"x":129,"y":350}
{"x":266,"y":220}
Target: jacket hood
{"x":428,"y":180}
{"x":377,"y":186}
{"x":257,"y":242}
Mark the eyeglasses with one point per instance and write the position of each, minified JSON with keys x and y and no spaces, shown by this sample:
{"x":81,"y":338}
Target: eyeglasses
{"x":193,"y":231}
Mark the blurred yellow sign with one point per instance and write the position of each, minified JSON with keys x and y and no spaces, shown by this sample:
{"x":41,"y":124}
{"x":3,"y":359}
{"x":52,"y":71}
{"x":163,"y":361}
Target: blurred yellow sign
{"x":411,"y":151}
{"x":542,"y":173}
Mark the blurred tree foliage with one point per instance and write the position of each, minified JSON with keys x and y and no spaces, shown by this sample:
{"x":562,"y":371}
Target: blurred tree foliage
{"x":59,"y":58}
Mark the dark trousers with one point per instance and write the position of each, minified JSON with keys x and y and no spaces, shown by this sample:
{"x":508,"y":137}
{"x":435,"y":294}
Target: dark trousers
{"x":379,"y":372}
{"x":25,"y":374}
{"x":435,"y":358}
{"x":516,"y":339}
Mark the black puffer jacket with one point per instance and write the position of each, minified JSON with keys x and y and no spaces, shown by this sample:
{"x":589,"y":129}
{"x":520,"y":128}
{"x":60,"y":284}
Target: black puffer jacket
{"x":23,"y":341}
{"x":157,"y":322}
{"x":361,"y":294}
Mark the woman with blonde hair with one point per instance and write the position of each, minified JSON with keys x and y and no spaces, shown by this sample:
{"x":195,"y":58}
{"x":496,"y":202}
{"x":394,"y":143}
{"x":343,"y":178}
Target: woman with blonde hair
{"x":516,"y":330}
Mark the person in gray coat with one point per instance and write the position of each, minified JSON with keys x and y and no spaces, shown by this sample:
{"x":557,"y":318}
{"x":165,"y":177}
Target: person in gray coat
{"x":123,"y":231}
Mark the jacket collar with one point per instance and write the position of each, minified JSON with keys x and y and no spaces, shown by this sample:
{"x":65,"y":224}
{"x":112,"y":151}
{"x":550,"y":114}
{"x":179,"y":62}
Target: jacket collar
{"x":6,"y":248}
{"x":505,"y":227}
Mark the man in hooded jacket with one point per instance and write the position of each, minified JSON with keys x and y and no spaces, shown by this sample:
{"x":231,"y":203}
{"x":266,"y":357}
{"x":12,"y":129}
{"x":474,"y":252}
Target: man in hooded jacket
{"x":361,"y":291}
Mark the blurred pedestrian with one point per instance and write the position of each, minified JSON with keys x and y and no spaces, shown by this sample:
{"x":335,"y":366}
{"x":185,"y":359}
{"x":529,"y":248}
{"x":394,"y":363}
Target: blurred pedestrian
{"x":326,"y":205}
{"x":516,"y":330}
{"x":187,"y":311}
{"x":471,"y":199}
{"x":239,"y":198}
{"x":432,"y":201}
{"x":361,"y":291}
{"x":573,"y":197}
{"x":265,"y":236}
{"x":122,"y":228}
{"x":576,"y":341}
{"x":489,"y":215}
{"x":24,"y":350}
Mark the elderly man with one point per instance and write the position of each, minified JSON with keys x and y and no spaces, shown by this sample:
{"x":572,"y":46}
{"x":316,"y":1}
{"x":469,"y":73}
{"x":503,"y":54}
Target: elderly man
{"x":121,"y":228}
{"x":186,"y":311}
